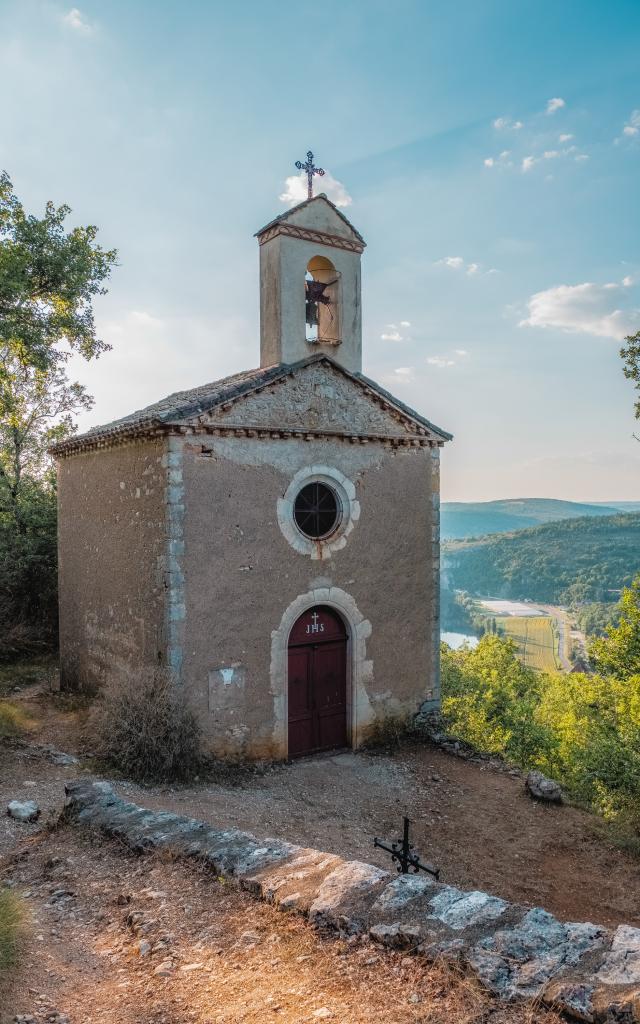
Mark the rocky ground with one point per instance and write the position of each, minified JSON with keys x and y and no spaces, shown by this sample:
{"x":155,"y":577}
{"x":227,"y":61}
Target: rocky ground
{"x":227,"y":958}
{"x":134,"y":940}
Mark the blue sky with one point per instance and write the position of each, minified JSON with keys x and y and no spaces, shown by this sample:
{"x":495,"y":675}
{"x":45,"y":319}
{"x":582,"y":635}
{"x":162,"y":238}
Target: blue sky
{"x":489,"y":151}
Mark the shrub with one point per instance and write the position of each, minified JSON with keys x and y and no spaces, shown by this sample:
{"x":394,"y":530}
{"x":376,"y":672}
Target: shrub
{"x":13,"y":720}
{"x":583,"y":730}
{"x":11,"y":919}
{"x":145,"y":731}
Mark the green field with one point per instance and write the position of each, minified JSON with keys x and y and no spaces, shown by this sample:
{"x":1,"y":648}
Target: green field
{"x":536,"y":638}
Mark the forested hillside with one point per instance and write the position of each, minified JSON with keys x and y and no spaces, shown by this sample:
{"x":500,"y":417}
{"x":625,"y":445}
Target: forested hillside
{"x":460,"y":519}
{"x":574,"y":560}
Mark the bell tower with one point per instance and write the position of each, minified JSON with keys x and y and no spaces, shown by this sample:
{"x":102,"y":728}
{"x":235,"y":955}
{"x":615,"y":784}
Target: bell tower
{"x":310,"y":297}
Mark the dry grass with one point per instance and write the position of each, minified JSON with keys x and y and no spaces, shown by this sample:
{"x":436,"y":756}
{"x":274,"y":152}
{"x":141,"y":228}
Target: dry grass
{"x":233,"y":960}
{"x":11,"y":922}
{"x":144,"y":732}
{"x":13,"y":719}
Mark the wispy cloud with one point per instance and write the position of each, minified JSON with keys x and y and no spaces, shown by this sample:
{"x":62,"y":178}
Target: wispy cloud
{"x":554,"y":104}
{"x":448,"y":359}
{"x":440,"y":361}
{"x":631,"y":129}
{"x":589,"y":308}
{"x":395,"y":332}
{"x":568,"y":152}
{"x":404,"y":374}
{"x":565,"y":138}
{"x":296,"y":189}
{"x":458,"y":263}
{"x":502,"y":160}
{"x":503,"y":124}
{"x":76,"y":20}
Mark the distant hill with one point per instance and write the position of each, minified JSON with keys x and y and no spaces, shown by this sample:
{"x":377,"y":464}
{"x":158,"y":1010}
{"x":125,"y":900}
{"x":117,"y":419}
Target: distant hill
{"x":573,"y":560}
{"x":460,"y":519}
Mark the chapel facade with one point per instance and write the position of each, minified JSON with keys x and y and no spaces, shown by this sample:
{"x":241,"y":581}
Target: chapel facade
{"x":268,"y":542}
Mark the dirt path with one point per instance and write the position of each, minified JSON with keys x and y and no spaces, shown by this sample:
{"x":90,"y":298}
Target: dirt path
{"x":472,"y":820}
{"x":475,"y":822}
{"x":114,"y":938}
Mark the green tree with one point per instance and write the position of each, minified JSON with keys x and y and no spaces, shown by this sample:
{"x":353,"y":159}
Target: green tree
{"x":618,"y":652}
{"x":48,"y":279}
{"x":630,"y":353}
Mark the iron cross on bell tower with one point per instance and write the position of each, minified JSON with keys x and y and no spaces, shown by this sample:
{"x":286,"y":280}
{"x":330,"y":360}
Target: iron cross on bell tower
{"x":309,"y":170}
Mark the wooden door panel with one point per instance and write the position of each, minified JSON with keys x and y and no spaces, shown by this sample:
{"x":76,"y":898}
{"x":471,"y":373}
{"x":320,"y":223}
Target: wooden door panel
{"x":301,"y":736}
{"x":330,"y":696}
{"x":317,"y":683}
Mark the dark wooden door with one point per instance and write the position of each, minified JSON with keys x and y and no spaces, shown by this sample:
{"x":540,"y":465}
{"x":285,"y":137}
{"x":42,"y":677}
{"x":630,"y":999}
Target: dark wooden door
{"x":317,"y":683}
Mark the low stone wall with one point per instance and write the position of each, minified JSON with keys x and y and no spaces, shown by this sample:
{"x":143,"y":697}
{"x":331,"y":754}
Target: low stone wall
{"x":589,"y":972}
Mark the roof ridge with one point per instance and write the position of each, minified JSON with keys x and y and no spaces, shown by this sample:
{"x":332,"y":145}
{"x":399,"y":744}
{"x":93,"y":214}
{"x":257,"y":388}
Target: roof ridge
{"x":300,"y":206}
{"x":192,"y":401}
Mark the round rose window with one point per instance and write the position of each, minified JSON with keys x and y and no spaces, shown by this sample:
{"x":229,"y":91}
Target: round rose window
{"x":317,"y":510}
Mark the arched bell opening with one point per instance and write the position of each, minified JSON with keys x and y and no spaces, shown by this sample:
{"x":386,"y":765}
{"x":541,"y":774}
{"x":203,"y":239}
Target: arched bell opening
{"x":317,"y":682}
{"x":322,"y":302}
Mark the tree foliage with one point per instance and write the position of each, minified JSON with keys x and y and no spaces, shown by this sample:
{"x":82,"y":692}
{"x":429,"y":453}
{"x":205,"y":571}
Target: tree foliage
{"x":48,"y":279}
{"x":568,"y":562}
{"x":618,"y":652}
{"x":630,"y":353}
{"x":583,"y":730}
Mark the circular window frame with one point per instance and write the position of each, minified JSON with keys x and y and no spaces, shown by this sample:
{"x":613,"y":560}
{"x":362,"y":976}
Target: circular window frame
{"x":349,"y":508}
{"x":338,"y":512}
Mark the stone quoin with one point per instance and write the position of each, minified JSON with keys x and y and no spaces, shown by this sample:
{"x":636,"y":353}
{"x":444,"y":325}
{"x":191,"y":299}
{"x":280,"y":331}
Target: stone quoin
{"x":196,"y":534}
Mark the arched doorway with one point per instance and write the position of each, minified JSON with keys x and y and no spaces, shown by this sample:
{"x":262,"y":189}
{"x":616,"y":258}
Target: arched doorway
{"x":317,"y":682}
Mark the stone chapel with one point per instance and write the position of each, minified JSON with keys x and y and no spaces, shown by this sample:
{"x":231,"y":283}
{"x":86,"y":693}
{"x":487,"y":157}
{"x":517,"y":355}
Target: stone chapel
{"x":269,"y":541}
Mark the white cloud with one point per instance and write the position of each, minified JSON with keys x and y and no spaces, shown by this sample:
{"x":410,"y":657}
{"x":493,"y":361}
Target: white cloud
{"x":631,"y":129}
{"x":627,"y":281}
{"x":391,"y":333}
{"x":455,"y":262}
{"x":499,"y":161}
{"x":440,"y":361}
{"x":404,"y":373}
{"x":458,"y":263}
{"x":565,"y":138}
{"x":76,"y":20}
{"x":587,"y":308}
{"x":505,"y":123}
{"x":461,"y":352}
{"x":137,"y":322}
{"x":296,"y":189}
{"x":556,"y":103}
{"x":552,"y":154}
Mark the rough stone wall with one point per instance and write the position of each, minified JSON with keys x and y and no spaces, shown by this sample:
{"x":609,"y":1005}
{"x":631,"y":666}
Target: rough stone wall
{"x":317,"y":398}
{"x":242,"y":574}
{"x":111,"y":506}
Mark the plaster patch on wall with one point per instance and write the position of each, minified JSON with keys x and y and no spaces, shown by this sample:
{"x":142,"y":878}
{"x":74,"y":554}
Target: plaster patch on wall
{"x":226,"y":686}
{"x":288,"y":454}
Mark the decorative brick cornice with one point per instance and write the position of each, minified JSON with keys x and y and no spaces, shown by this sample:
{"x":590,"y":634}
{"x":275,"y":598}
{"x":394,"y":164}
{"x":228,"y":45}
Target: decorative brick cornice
{"x":311,"y":235}
{"x":248,"y":431}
